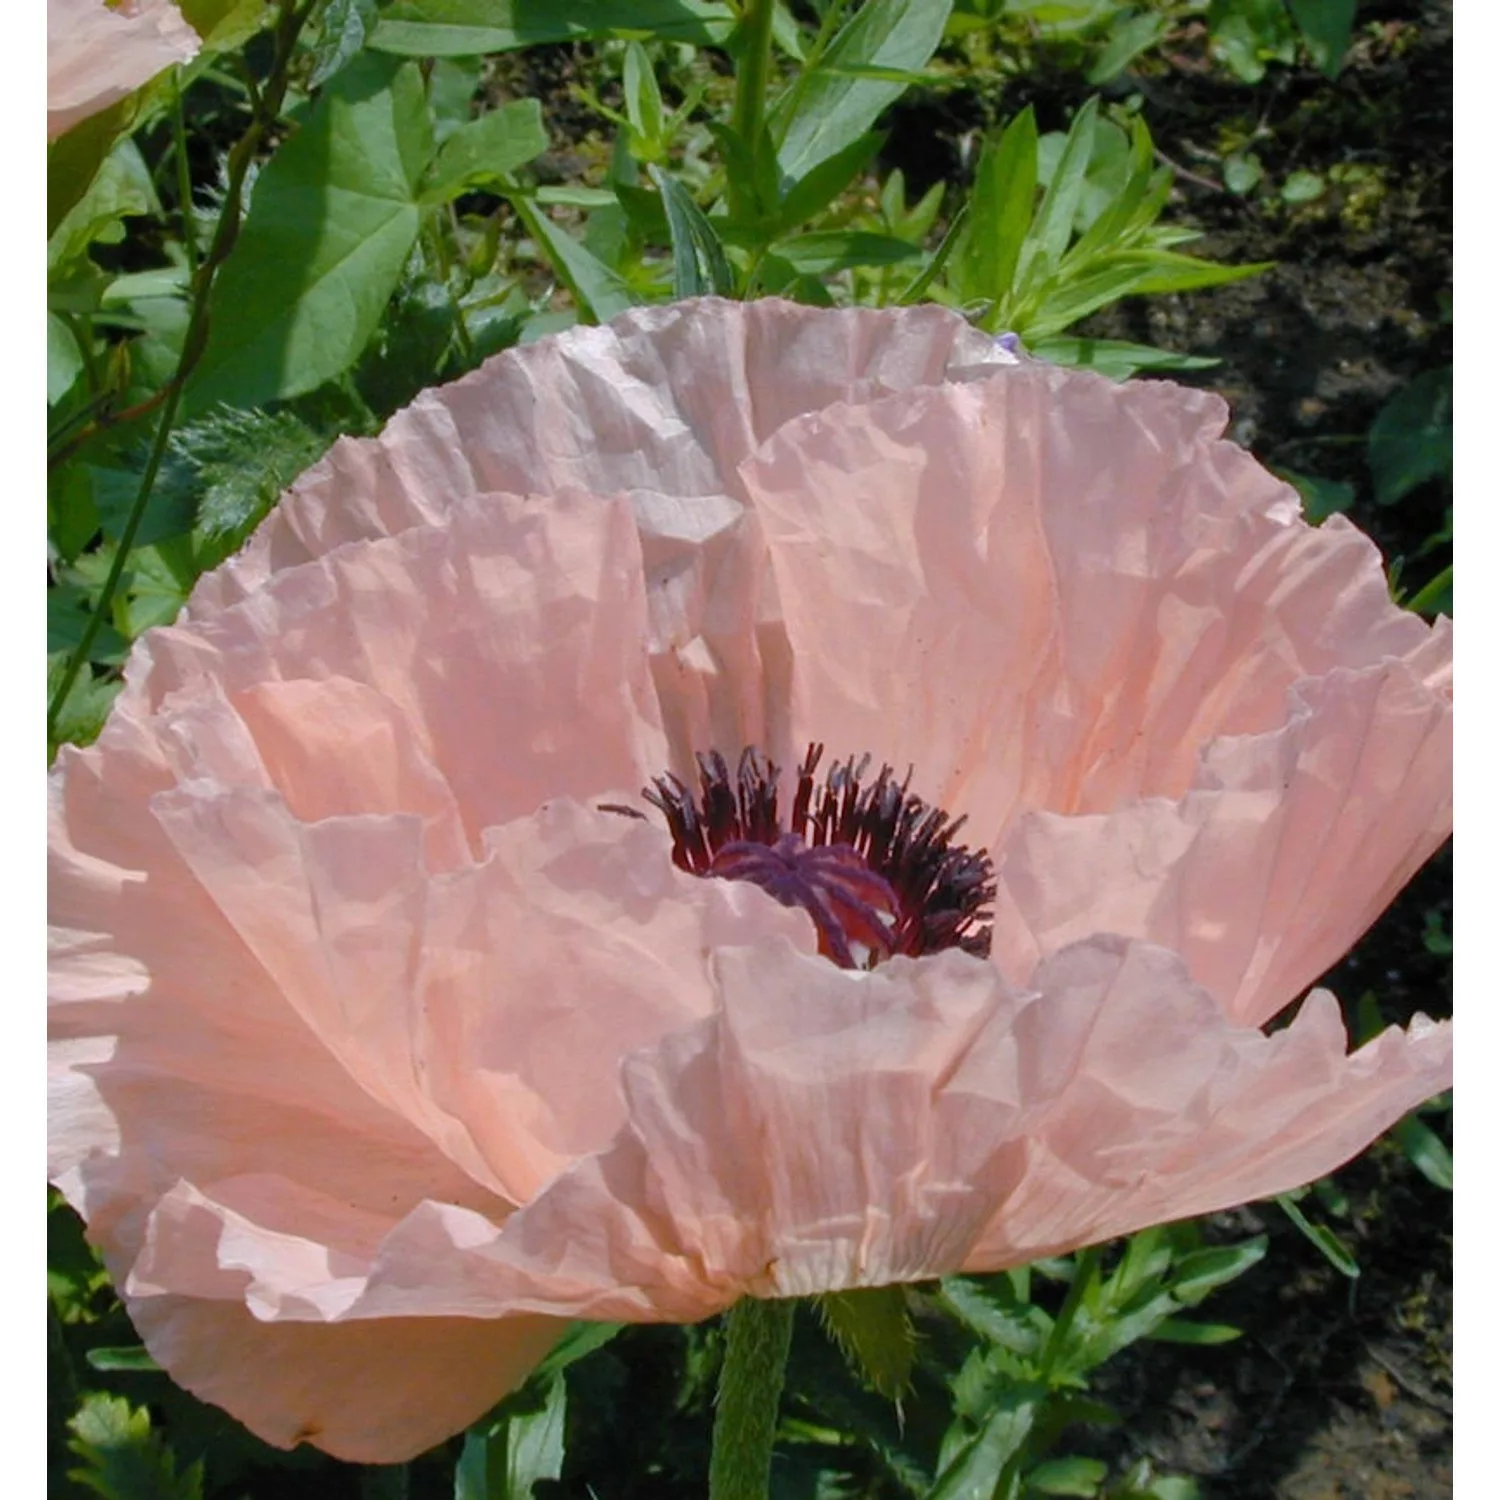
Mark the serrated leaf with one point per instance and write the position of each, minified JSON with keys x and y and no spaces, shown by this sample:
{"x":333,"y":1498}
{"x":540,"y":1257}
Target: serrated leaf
{"x":827,"y":111}
{"x":333,"y":217}
{"x":872,"y":1327}
{"x":699,"y":265}
{"x":1411,"y":440}
{"x":467,"y":28}
{"x":486,"y":150}
{"x":990,"y":1307}
{"x":123,"y":1459}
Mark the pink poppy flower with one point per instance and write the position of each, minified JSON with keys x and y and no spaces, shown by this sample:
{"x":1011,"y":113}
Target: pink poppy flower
{"x":97,"y":53}
{"x":393,"y":1025}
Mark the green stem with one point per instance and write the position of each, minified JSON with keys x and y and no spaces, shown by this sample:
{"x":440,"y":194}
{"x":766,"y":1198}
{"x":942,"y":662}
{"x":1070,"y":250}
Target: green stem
{"x":759,"y":1337}
{"x":752,"y":78}
{"x":226,"y":231}
{"x":1085,"y":1269}
{"x":184,"y":176}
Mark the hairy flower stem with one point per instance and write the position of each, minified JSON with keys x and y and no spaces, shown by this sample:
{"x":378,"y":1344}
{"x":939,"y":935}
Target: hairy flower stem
{"x":759,"y":1339}
{"x":267,"y":106}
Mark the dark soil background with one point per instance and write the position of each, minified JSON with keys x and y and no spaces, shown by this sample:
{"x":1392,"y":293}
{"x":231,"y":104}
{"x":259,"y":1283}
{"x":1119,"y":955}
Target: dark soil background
{"x":1340,"y":1390}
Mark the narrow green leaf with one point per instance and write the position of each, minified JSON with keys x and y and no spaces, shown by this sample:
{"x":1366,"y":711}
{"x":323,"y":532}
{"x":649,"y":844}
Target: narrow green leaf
{"x":938,"y":262}
{"x":332,"y":220}
{"x":133,"y":1358}
{"x":698,"y":261}
{"x":812,"y":193}
{"x":1426,"y":1151}
{"x":973,"y":1472}
{"x":467,"y":28}
{"x":643,"y":102}
{"x":577,"y":1343}
{"x":1327,"y":1242}
{"x":1115,"y":358}
{"x":486,"y":150}
{"x":826,"y":251}
{"x":64,"y":359}
{"x":828,"y":110}
{"x":1199,"y":1272}
{"x":873,"y":1329}
{"x":1435,"y":598}
{"x":1184,"y":1331}
{"x":599,"y":292}
{"x":1000,"y":211}
{"x":1127,"y":41}
{"x":1053,"y":226}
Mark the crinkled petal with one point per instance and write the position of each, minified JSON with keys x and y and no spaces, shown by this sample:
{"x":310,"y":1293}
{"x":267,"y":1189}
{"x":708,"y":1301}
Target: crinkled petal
{"x":1046,"y":590}
{"x":1287,"y":848}
{"x":511,"y":640}
{"x":366,"y":1392}
{"x":97,"y":53}
{"x":828,"y":1129}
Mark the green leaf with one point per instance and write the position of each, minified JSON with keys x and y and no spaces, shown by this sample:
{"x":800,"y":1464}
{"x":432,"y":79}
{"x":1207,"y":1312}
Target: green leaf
{"x":600,"y":292}
{"x":86,"y":707}
{"x":1053,"y":227}
{"x":643,"y":105}
{"x":1302,"y":187}
{"x":486,"y":150}
{"x":578,"y":1342}
{"x":466,"y":28}
{"x":1327,"y":1242}
{"x":1321,"y":497}
{"x":123,"y":1459}
{"x":64,"y":359}
{"x":1000,"y":211}
{"x":698,"y":261}
{"x":504,"y":1459}
{"x":1199,"y":1272}
{"x":225,"y":25}
{"x":1128,"y":39}
{"x":342,"y":32}
{"x":133,"y":1357}
{"x":873,"y":1329}
{"x":1412,"y":438}
{"x":1245,"y":34}
{"x":1114,"y":357}
{"x":1434,"y":598}
{"x":120,"y":189}
{"x":826,"y":111}
{"x":332,"y":220}
{"x":1242,"y":171}
{"x":1184,"y":1331}
{"x":990,"y":1307}
{"x":1426,"y":1151}
{"x":826,"y":251}
{"x":973,"y":1472}
{"x":1068,"y":1476}
{"x":813,"y":192}
{"x":1327,"y":27}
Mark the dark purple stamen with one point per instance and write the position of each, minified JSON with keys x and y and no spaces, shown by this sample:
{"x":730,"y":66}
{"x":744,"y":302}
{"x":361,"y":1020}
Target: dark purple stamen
{"x":873,"y":865}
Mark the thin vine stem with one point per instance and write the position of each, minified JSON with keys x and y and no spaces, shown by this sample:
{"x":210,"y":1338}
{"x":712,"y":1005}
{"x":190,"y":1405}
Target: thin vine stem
{"x":267,"y":106}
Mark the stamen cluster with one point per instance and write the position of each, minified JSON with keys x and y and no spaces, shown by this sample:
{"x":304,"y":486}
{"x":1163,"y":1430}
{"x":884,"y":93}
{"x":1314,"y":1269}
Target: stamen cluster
{"x":874,"y":866}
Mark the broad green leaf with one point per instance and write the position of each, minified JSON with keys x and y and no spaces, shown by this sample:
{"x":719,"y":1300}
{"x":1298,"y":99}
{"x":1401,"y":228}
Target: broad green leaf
{"x":332,"y":220}
{"x":827,"y":111}
{"x":1067,"y":1476}
{"x":974,"y":1471}
{"x":486,"y":150}
{"x":1115,"y":358}
{"x":74,"y":159}
{"x":699,"y":265}
{"x":1426,"y":1151}
{"x":1000,"y":211}
{"x":225,"y":25}
{"x":451,"y":85}
{"x":1412,"y":438}
{"x":1326,"y":27}
{"x":504,"y":1459}
{"x":467,"y":28}
{"x":123,"y":1459}
{"x":169,"y":512}
{"x":68,"y":611}
{"x":64,"y":359}
{"x":121,"y":188}
{"x":823,"y":252}
{"x":600,"y":292}
{"x":873,"y":1329}
{"x":1245,"y":34}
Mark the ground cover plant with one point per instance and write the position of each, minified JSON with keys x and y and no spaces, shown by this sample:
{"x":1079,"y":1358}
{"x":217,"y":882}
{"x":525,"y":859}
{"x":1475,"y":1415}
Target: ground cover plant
{"x":280,"y":224}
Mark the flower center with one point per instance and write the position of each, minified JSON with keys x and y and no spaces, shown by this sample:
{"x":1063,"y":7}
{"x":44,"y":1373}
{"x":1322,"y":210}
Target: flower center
{"x":875,"y":867}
